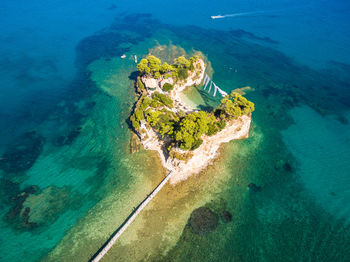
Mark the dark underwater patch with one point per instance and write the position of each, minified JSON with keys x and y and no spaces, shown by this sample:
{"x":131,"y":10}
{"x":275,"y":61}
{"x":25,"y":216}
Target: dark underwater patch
{"x":32,"y":208}
{"x":67,"y":139}
{"x":16,"y":217}
{"x":22,"y":155}
{"x":100,"y":45}
{"x":107,"y":43}
{"x":240,"y":33}
{"x":203,"y":220}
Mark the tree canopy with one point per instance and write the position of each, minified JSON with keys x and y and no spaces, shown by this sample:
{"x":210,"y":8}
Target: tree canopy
{"x":165,"y":68}
{"x":235,"y":105}
{"x":186,"y":130}
{"x":152,"y":65}
{"x":182,"y":62}
{"x":192,"y":127}
{"x":143,"y":67}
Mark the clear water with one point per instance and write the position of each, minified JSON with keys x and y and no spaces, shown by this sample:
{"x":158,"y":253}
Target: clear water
{"x":67,"y":177}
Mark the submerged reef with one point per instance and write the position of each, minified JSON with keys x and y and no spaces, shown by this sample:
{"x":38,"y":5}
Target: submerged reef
{"x":17,"y":216}
{"x":203,"y":220}
{"x":22,"y":155}
{"x":32,"y":208}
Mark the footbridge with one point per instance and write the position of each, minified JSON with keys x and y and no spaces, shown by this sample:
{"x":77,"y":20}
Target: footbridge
{"x":114,"y":237}
{"x":206,"y":82}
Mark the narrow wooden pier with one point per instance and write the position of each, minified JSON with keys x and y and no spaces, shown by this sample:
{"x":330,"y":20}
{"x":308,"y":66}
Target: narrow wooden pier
{"x":110,"y":242}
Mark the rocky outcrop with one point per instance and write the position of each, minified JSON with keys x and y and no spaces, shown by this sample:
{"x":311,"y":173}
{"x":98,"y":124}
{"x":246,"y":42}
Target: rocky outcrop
{"x":150,"y":82}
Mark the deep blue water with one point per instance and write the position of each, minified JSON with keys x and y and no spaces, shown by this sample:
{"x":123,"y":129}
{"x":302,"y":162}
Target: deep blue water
{"x":57,"y":136}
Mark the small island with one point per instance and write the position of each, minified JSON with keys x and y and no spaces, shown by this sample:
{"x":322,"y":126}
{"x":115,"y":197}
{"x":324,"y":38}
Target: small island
{"x":186,"y":139}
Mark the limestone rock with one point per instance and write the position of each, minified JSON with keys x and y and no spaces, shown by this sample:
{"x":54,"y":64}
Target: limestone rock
{"x":150,"y":82}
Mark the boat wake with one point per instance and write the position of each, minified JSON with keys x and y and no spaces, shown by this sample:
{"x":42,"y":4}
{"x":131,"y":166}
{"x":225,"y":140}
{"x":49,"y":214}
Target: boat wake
{"x":238,"y":14}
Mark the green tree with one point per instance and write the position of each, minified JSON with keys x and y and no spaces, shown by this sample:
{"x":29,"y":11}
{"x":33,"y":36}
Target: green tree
{"x":165,"y":68}
{"x":153,"y":63}
{"x":235,"y":105}
{"x":165,"y":100}
{"x":143,"y":67}
{"x":156,"y":75}
{"x":182,"y":73}
{"x":163,"y":121}
{"x":182,"y":62}
{"x":167,"y":87}
{"x":191,"y":128}
{"x":139,"y":83}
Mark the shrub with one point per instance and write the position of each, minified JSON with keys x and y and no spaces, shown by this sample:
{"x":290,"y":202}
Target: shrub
{"x":139,"y":114}
{"x":168,"y":75}
{"x":212,"y":130}
{"x":184,"y":157}
{"x":135,"y":124}
{"x":221,"y":125}
{"x":156,"y":75}
{"x":146,"y":101}
{"x":163,"y":99}
{"x":182,"y":62}
{"x":139,"y":84}
{"x":163,"y":121}
{"x":196,"y":144}
{"x":155,"y":104}
{"x":182,"y":73}
{"x":167,"y":87}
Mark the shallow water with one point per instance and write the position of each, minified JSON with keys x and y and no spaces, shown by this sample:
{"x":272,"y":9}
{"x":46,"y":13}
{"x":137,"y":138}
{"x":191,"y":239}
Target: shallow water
{"x":65,"y":139}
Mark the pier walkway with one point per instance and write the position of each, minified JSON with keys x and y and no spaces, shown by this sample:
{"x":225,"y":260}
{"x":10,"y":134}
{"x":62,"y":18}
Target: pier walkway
{"x":109,"y":243}
{"x":207,"y":80}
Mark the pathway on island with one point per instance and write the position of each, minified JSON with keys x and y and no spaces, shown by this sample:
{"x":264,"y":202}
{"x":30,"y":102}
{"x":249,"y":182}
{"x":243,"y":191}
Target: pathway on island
{"x":114,"y":237}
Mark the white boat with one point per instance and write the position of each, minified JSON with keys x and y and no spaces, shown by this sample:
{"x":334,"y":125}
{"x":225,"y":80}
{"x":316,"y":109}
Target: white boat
{"x":123,"y":56}
{"x":217,"y":16}
{"x":135,"y":58}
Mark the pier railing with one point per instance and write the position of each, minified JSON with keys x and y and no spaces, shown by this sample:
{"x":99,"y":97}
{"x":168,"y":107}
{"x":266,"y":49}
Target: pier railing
{"x":114,"y":237}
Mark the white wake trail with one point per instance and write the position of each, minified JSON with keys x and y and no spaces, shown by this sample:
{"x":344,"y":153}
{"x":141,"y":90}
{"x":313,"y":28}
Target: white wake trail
{"x":239,"y":14}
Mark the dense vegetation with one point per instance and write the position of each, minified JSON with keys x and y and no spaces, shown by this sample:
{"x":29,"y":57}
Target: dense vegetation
{"x":153,"y":66}
{"x":233,"y":106}
{"x":167,"y":87}
{"x":182,"y":130}
{"x":165,"y":100}
{"x":186,"y":131}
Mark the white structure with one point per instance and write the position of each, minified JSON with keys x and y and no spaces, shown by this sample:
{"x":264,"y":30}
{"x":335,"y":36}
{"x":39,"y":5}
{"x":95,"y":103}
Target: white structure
{"x":108,"y":245}
{"x":206,"y":81}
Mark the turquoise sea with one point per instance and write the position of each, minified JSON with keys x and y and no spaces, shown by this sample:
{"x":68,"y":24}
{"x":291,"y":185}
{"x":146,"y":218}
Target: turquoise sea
{"x":68,"y":178}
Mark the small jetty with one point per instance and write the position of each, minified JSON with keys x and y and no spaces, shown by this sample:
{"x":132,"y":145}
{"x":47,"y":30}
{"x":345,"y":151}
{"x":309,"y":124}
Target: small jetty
{"x":114,"y":237}
{"x":207,"y":80}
